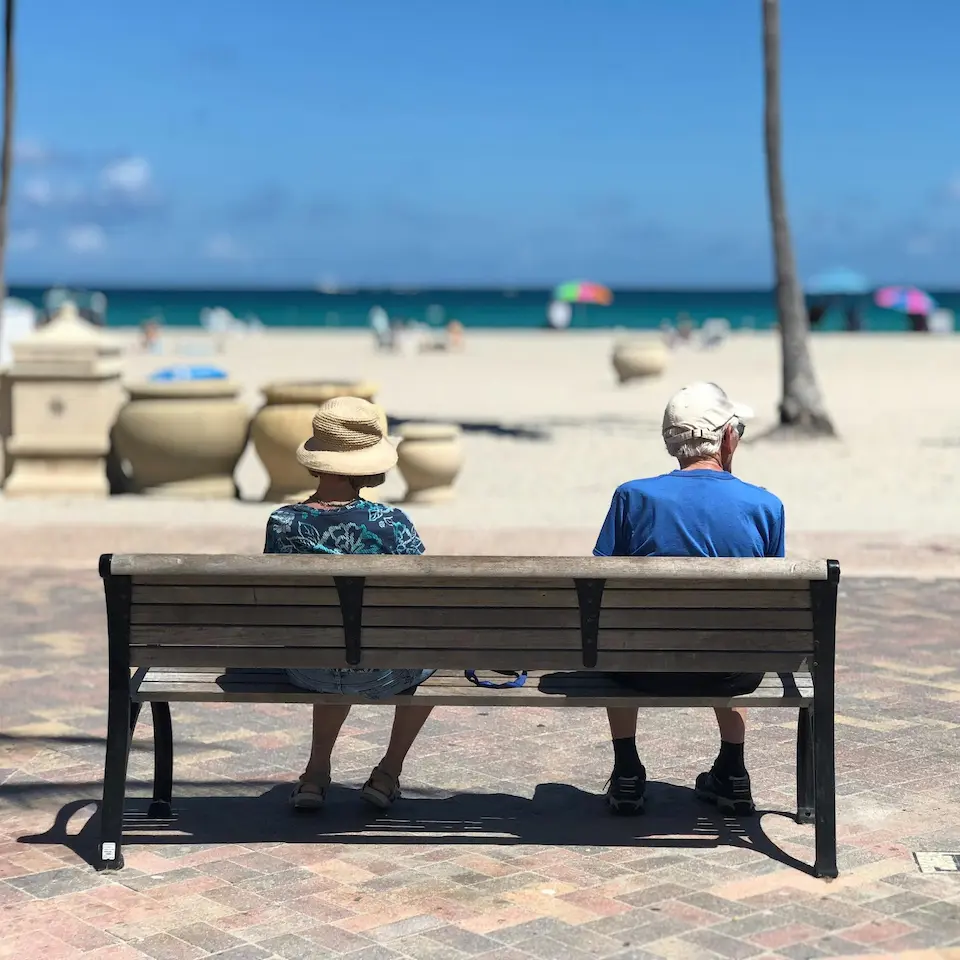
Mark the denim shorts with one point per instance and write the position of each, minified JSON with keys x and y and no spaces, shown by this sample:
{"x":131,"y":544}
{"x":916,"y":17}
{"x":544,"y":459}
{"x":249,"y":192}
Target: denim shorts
{"x":373,"y":684}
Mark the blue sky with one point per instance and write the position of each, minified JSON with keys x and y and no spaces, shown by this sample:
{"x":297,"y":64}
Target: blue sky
{"x":522,"y":142}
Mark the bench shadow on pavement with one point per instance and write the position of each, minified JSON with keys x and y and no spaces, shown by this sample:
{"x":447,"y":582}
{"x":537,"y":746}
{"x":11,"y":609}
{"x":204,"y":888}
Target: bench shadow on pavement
{"x":557,"y":815}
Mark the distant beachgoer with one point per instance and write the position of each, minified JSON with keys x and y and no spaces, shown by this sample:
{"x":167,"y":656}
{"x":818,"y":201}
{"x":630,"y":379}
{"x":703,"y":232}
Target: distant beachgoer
{"x":700,"y":510}
{"x":714,"y":332}
{"x":815,"y":315}
{"x":348,"y":452}
{"x":455,"y":335}
{"x":918,"y":322}
{"x":685,"y":328}
{"x":854,"y":318}
{"x":150,"y":335}
{"x":559,"y":315}
{"x":380,"y":324}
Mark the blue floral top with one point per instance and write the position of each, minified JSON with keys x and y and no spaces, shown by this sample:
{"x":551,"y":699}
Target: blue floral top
{"x":357,"y":527}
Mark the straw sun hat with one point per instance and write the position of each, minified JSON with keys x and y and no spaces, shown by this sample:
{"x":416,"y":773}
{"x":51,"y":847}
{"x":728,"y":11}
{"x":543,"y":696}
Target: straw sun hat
{"x":348,"y":440}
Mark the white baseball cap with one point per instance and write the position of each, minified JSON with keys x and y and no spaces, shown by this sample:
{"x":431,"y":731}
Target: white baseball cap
{"x":699,"y":412}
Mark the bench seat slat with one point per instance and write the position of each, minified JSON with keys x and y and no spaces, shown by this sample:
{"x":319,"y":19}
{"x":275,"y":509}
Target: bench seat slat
{"x":574,"y":689}
{"x":487,"y":659}
{"x":471,"y":618}
{"x":442,"y":678}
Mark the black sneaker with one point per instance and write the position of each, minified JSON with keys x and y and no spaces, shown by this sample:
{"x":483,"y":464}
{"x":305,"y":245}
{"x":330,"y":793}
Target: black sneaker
{"x":625,"y":794}
{"x":730,"y":794}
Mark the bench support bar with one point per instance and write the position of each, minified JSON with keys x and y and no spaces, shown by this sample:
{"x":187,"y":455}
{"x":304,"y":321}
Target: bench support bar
{"x":590,"y":599}
{"x":162,"y":761}
{"x":806,"y":800}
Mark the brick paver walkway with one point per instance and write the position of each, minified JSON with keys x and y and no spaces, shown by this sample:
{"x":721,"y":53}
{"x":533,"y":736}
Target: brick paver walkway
{"x":501,"y":848}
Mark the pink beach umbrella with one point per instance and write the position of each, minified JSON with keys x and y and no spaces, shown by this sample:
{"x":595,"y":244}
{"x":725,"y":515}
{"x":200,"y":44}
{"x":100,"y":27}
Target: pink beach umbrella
{"x":909,"y":300}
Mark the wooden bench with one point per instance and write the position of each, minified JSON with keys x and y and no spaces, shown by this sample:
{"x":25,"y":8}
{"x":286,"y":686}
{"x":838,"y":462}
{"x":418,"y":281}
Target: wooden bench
{"x":221,"y":628}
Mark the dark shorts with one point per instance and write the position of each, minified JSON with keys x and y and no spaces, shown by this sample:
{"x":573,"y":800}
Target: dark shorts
{"x":689,"y":684}
{"x":373,"y":684}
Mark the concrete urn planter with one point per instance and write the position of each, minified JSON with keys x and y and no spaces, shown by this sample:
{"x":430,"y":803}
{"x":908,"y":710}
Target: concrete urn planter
{"x":637,"y":359}
{"x":285,"y":421}
{"x":182,"y":438}
{"x":430,"y":457}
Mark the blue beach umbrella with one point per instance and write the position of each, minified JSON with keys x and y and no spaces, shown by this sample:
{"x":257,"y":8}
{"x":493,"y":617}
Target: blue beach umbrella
{"x":839,"y":282}
{"x":189,"y":373}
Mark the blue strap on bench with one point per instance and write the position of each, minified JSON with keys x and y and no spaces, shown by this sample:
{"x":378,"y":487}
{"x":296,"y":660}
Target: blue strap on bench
{"x":518,"y":681}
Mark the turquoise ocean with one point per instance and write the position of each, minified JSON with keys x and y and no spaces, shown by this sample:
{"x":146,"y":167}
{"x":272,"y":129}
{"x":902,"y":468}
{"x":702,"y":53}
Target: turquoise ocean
{"x":478,"y":308}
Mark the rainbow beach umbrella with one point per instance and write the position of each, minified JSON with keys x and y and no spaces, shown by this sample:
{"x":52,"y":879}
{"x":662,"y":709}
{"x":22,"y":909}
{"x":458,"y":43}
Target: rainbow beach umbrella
{"x":909,"y":300}
{"x":584,"y":291}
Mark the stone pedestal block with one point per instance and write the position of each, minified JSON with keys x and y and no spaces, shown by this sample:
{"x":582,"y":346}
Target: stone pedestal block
{"x":64,"y":394}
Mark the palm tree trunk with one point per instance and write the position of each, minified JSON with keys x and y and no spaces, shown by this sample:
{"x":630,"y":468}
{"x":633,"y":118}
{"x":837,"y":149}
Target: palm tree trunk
{"x":801,"y":405}
{"x":6,"y":156}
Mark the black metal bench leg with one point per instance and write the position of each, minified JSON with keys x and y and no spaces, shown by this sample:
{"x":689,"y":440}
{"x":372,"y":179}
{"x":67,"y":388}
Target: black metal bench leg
{"x":119,"y":726}
{"x":806,"y":799}
{"x":824,"y":603}
{"x":162,"y":761}
{"x":826,"y":792}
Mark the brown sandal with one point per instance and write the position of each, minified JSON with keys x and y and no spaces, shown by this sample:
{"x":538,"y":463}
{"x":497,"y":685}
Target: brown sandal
{"x":308,"y":796}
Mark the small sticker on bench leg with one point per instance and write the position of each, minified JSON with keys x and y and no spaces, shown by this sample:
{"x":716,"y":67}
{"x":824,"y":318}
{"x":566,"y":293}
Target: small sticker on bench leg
{"x":110,"y":857}
{"x":805,"y":815}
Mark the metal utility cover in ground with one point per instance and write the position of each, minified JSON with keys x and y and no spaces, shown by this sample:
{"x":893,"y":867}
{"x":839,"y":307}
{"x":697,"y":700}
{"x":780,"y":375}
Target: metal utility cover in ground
{"x":935,"y":862}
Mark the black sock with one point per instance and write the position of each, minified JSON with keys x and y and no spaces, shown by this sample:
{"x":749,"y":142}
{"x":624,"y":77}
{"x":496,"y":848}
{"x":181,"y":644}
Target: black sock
{"x":729,"y":761}
{"x":626,"y":760}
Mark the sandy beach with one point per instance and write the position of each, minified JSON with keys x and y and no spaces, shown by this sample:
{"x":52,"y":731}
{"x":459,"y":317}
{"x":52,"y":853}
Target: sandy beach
{"x":548,"y":434}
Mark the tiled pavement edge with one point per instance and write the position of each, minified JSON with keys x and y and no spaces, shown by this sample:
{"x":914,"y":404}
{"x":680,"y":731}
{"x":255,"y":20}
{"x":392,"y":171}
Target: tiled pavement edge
{"x":501,"y":848}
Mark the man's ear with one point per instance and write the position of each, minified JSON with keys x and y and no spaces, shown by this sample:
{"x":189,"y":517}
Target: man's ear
{"x":729,"y":441}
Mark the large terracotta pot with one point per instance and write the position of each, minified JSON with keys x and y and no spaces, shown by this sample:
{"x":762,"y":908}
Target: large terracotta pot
{"x":182,"y":439}
{"x":285,"y":421}
{"x":636,"y":359}
{"x":430,"y":457}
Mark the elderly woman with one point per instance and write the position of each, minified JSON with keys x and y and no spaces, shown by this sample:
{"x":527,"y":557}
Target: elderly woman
{"x":348,"y":452}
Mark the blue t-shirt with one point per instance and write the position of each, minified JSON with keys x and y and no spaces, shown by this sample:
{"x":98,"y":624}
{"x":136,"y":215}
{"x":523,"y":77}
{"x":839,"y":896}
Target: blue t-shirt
{"x":692,"y":513}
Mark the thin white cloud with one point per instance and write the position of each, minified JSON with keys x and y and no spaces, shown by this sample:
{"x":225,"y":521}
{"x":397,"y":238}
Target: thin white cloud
{"x":952,"y":187}
{"x":22,"y":241}
{"x":131,"y":176}
{"x":223,"y":246}
{"x":38,"y":192}
{"x":30,"y":151}
{"x":86,"y":238}
{"x":921,"y":245}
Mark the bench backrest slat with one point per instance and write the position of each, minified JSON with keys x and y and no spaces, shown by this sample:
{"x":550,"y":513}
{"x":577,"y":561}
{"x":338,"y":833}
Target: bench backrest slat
{"x":463,"y":593}
{"x":470,"y":618}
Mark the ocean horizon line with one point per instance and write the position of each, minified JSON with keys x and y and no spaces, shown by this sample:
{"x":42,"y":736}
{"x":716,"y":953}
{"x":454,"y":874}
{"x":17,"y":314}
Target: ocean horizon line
{"x":346,"y":289}
{"x":473,"y":307}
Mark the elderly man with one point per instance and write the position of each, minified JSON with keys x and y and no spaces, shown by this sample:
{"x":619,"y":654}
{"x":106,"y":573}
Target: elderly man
{"x":700,"y":510}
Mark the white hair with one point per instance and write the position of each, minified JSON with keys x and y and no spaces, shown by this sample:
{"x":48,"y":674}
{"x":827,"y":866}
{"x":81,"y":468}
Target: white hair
{"x":698,"y":449}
